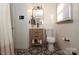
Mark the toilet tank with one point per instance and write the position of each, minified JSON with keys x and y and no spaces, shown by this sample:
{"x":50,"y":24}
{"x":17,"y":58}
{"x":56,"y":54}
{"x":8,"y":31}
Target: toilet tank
{"x":49,"y":32}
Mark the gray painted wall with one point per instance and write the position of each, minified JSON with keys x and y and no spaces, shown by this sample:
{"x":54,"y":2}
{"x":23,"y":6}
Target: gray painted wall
{"x":19,"y":26}
{"x":70,"y":31}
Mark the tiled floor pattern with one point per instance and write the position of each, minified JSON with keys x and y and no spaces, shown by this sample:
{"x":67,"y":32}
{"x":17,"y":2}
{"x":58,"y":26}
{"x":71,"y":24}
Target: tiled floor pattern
{"x":38,"y":51}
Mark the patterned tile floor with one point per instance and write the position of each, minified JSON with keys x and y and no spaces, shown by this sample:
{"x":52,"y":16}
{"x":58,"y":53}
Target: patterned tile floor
{"x":38,"y":51}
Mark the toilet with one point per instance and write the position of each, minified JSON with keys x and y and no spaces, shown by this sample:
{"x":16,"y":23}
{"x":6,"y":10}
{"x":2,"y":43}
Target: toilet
{"x":50,"y":40}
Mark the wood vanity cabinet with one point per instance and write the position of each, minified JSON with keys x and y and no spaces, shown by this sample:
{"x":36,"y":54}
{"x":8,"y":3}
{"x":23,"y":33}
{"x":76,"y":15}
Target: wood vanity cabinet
{"x":37,"y":37}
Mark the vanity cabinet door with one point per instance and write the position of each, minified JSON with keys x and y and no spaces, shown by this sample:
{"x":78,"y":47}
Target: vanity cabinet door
{"x":36,"y":34}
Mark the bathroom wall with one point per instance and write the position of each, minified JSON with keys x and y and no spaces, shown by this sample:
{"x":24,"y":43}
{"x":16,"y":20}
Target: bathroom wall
{"x":70,"y":31}
{"x":21,"y":27}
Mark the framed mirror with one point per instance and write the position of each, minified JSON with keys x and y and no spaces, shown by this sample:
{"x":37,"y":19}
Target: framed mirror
{"x":37,"y":11}
{"x":38,"y":14}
